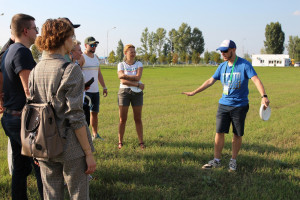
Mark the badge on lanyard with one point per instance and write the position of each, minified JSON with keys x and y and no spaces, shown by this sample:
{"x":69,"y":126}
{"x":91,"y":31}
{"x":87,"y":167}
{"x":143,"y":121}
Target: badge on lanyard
{"x":226,"y":85}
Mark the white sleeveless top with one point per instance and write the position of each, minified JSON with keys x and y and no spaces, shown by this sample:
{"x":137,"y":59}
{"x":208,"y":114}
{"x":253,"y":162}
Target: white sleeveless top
{"x":90,"y":69}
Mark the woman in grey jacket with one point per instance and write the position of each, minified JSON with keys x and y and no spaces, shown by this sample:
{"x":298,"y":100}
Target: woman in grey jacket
{"x":77,"y":160}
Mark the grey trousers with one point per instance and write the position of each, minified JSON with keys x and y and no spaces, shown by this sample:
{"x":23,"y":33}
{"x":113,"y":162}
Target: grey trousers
{"x":53,"y":176}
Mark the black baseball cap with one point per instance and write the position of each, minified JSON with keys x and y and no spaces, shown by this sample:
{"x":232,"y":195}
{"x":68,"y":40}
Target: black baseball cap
{"x":74,"y":25}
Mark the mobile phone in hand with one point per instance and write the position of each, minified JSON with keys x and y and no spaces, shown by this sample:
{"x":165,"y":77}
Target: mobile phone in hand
{"x":89,"y":83}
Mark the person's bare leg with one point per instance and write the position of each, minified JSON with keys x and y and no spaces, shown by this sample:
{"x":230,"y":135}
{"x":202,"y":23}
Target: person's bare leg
{"x":123,"y":111}
{"x":137,"y":113}
{"x":219,"y":144}
{"x":94,"y":123}
{"x":236,"y":145}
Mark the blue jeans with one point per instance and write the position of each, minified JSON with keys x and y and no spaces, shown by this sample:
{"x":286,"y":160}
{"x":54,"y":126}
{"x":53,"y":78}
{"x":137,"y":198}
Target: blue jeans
{"x":22,"y":164}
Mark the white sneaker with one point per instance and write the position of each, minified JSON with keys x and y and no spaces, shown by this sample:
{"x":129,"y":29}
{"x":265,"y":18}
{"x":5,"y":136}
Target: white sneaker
{"x":232,"y":165}
{"x":212,"y":164}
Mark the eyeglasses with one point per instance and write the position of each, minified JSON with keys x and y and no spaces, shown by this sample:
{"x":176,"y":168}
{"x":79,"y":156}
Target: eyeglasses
{"x":225,"y":51}
{"x":93,"y":45}
{"x":34,"y":28}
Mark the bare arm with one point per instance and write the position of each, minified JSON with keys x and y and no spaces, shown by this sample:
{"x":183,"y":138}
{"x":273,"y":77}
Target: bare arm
{"x":261,"y":90}
{"x":101,"y":81}
{"x":81,"y":61}
{"x":136,"y":77}
{"x":205,"y":85}
{"x":132,"y":82}
{"x":24,"y":75}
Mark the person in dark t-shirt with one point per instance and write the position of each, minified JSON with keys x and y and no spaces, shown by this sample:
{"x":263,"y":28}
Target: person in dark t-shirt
{"x":15,"y":68}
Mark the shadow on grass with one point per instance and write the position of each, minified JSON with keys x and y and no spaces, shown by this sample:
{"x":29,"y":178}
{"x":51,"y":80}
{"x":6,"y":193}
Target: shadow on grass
{"x":176,"y":175}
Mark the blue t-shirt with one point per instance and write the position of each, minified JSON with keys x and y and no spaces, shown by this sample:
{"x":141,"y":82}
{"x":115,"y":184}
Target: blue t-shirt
{"x":238,"y":88}
{"x":17,"y":58}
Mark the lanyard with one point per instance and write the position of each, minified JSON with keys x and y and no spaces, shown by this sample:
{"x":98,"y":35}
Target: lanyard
{"x":231,"y":73}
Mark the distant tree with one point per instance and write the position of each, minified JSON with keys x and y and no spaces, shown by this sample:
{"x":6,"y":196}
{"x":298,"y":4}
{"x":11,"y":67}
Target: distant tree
{"x":215,"y":56}
{"x":166,"y":49}
{"x":197,"y":41}
{"x":144,"y":40}
{"x":36,"y":54}
{"x":263,"y":51}
{"x":248,"y":57}
{"x":175,"y":58}
{"x":152,"y":43}
{"x":183,"y":40}
{"x":173,"y":37}
{"x":206,"y":57}
{"x":160,"y":37}
{"x":120,"y":53}
{"x":112,"y":57}
{"x":274,"y":43}
{"x":153,"y":59}
{"x":169,"y":58}
{"x":195,"y":57}
{"x":293,"y":47}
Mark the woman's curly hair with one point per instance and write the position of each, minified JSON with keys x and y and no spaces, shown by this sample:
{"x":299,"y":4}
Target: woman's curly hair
{"x":54,"y":34}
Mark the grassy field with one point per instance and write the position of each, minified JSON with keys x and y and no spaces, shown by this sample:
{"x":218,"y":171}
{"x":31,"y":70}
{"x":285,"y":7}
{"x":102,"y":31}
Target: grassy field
{"x":179,"y":133}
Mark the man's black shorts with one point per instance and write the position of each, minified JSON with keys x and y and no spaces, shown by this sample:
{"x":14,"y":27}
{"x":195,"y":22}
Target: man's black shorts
{"x":234,"y":115}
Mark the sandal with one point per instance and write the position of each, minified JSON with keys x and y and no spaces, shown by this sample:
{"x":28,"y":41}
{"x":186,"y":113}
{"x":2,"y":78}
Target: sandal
{"x":142,"y":145}
{"x":120,"y":145}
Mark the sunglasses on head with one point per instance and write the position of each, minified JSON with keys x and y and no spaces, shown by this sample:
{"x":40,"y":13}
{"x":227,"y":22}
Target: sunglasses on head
{"x":93,"y":45}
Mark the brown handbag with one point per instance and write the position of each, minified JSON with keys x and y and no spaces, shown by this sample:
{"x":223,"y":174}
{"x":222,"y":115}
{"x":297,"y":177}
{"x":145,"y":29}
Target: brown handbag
{"x":39,"y":134}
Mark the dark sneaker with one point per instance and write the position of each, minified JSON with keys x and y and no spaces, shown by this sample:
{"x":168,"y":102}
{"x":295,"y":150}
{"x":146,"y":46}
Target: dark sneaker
{"x":232,"y":165}
{"x":212,"y":164}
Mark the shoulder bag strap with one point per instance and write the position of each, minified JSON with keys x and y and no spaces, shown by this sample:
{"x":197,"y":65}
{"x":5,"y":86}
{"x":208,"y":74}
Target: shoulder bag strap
{"x":61,"y":70}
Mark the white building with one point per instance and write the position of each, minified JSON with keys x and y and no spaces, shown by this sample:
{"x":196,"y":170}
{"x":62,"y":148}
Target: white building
{"x":271,"y":60}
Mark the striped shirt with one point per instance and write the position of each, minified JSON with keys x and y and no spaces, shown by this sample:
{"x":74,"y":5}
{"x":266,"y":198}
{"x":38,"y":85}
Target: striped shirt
{"x":91,"y":69}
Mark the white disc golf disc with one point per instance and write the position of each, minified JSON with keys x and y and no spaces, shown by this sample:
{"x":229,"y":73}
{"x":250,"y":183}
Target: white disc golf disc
{"x":264,"y":114}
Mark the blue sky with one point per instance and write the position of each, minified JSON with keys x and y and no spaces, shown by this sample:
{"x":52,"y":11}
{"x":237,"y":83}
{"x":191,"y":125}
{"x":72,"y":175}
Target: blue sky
{"x":242,"y":21}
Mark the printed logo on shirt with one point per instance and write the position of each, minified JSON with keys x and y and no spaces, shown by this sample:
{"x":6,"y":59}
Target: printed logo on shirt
{"x":236,"y":80}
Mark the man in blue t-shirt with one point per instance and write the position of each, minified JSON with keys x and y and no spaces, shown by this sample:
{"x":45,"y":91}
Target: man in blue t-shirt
{"x":15,"y":67}
{"x":234,"y":74}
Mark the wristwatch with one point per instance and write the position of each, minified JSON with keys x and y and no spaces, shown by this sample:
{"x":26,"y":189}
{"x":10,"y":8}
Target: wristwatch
{"x":264,"y":96}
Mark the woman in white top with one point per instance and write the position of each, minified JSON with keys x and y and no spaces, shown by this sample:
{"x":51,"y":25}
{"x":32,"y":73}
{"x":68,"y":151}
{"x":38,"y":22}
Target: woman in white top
{"x":131,"y":91}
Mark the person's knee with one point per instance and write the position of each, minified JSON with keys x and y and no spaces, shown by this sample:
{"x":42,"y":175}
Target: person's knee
{"x":138,"y":120}
{"x":123,"y":120}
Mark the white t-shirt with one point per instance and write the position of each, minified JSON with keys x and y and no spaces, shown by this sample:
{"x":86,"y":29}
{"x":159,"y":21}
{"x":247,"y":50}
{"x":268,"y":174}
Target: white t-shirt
{"x":130,"y":70}
{"x":90,"y":69}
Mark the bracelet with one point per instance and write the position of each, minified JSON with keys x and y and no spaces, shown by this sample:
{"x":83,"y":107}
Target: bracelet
{"x":104,"y":88}
{"x":264,"y":96}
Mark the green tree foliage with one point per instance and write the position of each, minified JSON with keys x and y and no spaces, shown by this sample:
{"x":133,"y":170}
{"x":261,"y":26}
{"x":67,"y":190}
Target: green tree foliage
{"x":293,"y":47}
{"x":215,"y":56}
{"x":206,"y":57}
{"x":152,"y":43}
{"x":153,"y":59}
{"x":169,"y":58}
{"x":159,"y":38}
{"x":274,"y":43}
{"x":112,"y":57}
{"x":175,"y":58}
{"x":197,"y":41}
{"x":173,"y":37}
{"x":36,"y":54}
{"x":183,"y":40}
{"x":120,"y":53}
{"x":144,"y":41}
{"x":195,"y":57}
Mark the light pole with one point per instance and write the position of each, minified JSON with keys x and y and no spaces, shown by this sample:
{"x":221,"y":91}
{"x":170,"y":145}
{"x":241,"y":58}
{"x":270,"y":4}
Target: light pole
{"x":107,"y":40}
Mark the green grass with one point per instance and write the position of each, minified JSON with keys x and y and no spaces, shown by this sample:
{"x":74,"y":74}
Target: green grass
{"x":179,"y":133}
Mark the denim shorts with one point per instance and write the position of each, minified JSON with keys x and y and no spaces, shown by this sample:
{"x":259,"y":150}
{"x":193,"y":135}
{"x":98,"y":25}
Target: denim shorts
{"x":95,"y":98}
{"x":235,"y":115}
{"x":127,"y":96}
